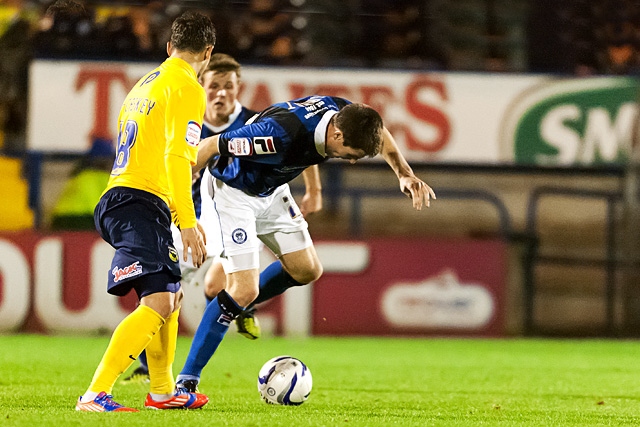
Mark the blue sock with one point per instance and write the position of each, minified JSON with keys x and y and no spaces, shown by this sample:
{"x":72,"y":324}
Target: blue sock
{"x":274,"y":280}
{"x":211,"y":330}
{"x":143,"y":360}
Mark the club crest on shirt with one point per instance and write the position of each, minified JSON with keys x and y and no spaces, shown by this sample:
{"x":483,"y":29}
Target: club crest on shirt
{"x":173,"y":254}
{"x":193,"y":133}
{"x":240,"y":147}
{"x":264,"y":145}
{"x":239,"y":236}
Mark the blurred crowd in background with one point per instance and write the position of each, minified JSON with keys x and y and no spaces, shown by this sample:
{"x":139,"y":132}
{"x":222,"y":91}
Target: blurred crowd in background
{"x":574,"y":37}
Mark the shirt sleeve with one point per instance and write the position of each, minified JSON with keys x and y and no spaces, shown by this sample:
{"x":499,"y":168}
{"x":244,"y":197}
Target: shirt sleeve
{"x":263,"y":142}
{"x":184,"y":114}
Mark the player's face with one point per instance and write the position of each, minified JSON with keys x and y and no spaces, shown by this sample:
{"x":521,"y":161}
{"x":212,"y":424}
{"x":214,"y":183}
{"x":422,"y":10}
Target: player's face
{"x":340,"y":151}
{"x":335,"y":148}
{"x":222,"y":91}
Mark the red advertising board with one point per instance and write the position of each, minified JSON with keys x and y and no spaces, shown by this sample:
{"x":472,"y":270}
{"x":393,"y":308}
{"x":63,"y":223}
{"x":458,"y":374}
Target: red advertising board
{"x":57,"y":282}
{"x":416,"y":287}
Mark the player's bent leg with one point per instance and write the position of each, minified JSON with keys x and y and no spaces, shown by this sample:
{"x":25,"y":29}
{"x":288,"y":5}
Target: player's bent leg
{"x":303,"y":265}
{"x":210,"y":332}
{"x":160,"y":355}
{"x":129,"y":338}
{"x":215,"y":280}
{"x":297,"y":268}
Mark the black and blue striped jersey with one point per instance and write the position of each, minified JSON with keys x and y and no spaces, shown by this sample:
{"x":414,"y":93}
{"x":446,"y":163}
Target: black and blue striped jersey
{"x":277,"y":146}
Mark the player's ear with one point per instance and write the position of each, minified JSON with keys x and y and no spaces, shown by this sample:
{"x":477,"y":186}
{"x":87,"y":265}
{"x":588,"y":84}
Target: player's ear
{"x":208,"y":52}
{"x":338,"y":136}
{"x":169,"y":48}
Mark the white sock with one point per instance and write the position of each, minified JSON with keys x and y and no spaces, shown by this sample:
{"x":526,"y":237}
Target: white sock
{"x":88,"y":396}
{"x":161,"y":397}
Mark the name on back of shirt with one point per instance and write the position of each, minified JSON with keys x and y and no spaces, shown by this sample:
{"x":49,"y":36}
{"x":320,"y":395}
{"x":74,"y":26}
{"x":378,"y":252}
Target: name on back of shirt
{"x":139,"y":105}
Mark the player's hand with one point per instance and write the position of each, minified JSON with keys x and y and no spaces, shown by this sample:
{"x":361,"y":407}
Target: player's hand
{"x":193,"y":240}
{"x":201,"y":230}
{"x":311,"y":202}
{"x":418,"y":190}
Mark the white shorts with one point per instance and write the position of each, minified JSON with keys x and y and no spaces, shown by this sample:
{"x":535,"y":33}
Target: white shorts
{"x":246,"y":220}
{"x":209,"y":222}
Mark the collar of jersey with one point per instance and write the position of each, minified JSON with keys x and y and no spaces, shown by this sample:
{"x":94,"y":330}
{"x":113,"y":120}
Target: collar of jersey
{"x":181,"y":63}
{"x":232,"y":118}
{"x":320,"y":134}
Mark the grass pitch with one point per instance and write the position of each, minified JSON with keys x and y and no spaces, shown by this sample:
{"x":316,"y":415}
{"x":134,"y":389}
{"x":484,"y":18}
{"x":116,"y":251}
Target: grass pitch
{"x":357,"y":382}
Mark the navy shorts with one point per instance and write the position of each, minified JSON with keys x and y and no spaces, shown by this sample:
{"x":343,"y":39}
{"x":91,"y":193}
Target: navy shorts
{"x":137,"y":224}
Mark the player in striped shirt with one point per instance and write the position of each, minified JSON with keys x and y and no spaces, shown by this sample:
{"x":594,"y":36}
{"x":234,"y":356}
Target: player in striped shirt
{"x":249,"y":184}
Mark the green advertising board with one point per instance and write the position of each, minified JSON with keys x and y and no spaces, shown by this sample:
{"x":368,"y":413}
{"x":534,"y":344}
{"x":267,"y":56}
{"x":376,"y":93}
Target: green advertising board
{"x":576,"y":122}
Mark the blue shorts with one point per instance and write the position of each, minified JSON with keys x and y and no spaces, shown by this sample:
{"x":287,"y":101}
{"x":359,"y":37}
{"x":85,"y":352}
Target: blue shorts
{"x":137,"y":224}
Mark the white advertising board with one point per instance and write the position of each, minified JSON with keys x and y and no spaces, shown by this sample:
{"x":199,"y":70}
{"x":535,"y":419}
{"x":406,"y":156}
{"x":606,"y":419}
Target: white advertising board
{"x":435,"y":117}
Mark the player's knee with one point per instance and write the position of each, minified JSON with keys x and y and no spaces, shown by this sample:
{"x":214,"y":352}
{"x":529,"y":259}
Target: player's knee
{"x":307,"y":275}
{"x":163,"y":303}
{"x":244,"y":295}
{"x":244,"y":287}
{"x":215,"y":280}
{"x":163,"y":306}
{"x":213,"y":288}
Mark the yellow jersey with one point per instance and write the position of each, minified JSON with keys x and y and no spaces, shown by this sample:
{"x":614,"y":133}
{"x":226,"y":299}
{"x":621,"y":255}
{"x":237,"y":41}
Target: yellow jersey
{"x":159,"y":129}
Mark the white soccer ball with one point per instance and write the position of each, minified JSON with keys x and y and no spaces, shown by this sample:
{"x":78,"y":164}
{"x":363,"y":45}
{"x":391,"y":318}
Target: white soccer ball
{"x":284,"y":380}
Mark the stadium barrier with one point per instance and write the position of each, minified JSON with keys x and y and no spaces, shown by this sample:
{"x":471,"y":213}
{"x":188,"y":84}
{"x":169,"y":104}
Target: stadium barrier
{"x":55,"y":282}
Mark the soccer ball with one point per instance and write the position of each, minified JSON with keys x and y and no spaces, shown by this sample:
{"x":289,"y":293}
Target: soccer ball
{"x":284,"y":380}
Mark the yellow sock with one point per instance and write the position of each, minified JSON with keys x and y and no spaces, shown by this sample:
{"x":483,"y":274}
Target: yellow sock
{"x":161,"y":353}
{"x":131,"y":336}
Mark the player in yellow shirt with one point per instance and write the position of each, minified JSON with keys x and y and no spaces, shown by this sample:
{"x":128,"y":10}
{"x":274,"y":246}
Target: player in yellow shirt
{"x":158,"y":133}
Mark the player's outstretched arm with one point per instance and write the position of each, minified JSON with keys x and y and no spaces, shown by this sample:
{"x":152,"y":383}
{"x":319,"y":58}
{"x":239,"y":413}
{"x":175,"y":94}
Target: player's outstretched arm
{"x":312,"y":199}
{"x":410,"y":184}
{"x":207,"y":149}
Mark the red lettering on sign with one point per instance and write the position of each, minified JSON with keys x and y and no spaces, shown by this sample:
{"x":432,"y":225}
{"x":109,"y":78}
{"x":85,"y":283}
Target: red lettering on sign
{"x":102,"y":79}
{"x":298,"y":90}
{"x":377,"y":97}
{"x":427,"y":114}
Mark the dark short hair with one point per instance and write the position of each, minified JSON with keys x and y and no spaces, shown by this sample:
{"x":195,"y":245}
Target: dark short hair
{"x":361,"y":127}
{"x":65,"y":9}
{"x":223,"y":63}
{"x":192,"y":32}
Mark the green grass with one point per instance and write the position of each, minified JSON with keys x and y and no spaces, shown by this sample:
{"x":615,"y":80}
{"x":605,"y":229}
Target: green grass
{"x":357,"y":382}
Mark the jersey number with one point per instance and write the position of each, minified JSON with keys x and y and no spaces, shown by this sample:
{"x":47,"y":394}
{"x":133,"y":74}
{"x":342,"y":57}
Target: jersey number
{"x":126,"y":139}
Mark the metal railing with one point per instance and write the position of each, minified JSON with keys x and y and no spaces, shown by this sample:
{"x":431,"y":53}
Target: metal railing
{"x":533,"y":256}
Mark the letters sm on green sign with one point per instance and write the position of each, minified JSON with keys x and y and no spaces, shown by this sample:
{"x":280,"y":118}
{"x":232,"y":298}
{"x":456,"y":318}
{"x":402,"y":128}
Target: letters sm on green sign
{"x":576,"y":122}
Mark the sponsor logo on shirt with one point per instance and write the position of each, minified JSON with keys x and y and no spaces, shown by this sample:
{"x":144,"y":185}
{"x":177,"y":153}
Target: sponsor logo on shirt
{"x":193,"y":133}
{"x":240,"y":147}
{"x":125,"y":272}
{"x":264,"y":145}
